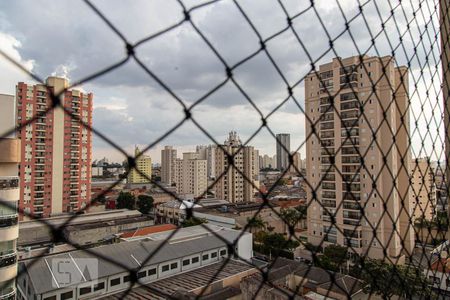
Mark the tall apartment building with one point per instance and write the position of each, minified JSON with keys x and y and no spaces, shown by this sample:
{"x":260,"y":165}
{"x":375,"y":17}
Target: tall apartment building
{"x":55,"y":168}
{"x":9,"y":198}
{"x":144,"y":165}
{"x":232,"y":186}
{"x":208,"y":153}
{"x":168,"y":167}
{"x":191,"y":178}
{"x":423,"y":189}
{"x":372,"y":190}
{"x":274,"y":161}
{"x":283,"y":150}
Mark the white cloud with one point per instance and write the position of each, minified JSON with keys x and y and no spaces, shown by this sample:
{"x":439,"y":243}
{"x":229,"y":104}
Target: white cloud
{"x":9,"y":73}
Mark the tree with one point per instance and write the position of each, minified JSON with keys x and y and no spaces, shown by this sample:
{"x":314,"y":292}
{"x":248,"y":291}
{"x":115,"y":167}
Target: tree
{"x":303,"y":210}
{"x":275,"y":244}
{"x":193,"y":221}
{"x":126,"y":200}
{"x":255,"y":224}
{"x":145,"y":203}
{"x":290,"y":218}
{"x":387,"y":280}
{"x":336,"y":255}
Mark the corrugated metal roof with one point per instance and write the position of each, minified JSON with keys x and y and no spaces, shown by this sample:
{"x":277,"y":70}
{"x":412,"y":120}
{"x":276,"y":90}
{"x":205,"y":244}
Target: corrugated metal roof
{"x":126,"y":254}
{"x":185,"y":283}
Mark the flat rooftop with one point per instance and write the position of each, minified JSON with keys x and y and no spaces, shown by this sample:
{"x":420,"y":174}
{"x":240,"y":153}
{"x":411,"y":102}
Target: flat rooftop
{"x":188,"y":281}
{"x":182,"y":234}
{"x":79,"y":219}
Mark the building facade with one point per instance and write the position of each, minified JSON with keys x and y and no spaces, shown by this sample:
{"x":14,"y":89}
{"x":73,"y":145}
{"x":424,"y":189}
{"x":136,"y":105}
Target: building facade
{"x":208,"y":153}
{"x":55,"y":168}
{"x":423,"y":189}
{"x":233,"y":186}
{"x":9,"y":199}
{"x":283,"y":150}
{"x":191,"y":175}
{"x":374,"y":185}
{"x":168,"y":165}
{"x":297,"y":162}
{"x":144,"y":165}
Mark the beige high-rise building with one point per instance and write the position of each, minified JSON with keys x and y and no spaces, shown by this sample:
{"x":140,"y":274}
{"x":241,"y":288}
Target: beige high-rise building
{"x":144,"y":165}
{"x":297,"y":165}
{"x":208,"y":153}
{"x":232,"y":186}
{"x":191,"y":177}
{"x":9,"y":198}
{"x":367,"y":196}
{"x":423,"y":190}
{"x":168,"y":165}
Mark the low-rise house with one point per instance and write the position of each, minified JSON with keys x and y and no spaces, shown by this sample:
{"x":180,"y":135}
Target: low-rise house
{"x":293,"y":280}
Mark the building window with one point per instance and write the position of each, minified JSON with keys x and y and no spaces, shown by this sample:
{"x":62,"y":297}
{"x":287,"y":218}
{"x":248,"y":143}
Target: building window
{"x":152,"y":272}
{"x":205,"y":257}
{"x":141,"y":274}
{"x":223,"y":252}
{"x":126,"y":278}
{"x":173,"y":266}
{"x":67,"y":295}
{"x":214,"y":255}
{"x":85,"y":290}
{"x":50,"y":298}
{"x":99,"y":286}
{"x":115,"y":281}
{"x":165,"y":268}
{"x":186,"y":262}
{"x":195,"y":259}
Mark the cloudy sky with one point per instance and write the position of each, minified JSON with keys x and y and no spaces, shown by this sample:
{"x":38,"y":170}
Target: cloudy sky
{"x":67,"y":38}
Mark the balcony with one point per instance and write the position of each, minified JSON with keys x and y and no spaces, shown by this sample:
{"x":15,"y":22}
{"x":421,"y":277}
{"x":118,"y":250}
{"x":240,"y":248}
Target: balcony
{"x":8,"y":220}
{"x":351,"y":196}
{"x":352,"y":205}
{"x":7,"y":259}
{"x":9,"y":182}
{"x":348,"y":70}
{"x":352,"y":222}
{"x":8,"y":294}
{"x":346,"y":115}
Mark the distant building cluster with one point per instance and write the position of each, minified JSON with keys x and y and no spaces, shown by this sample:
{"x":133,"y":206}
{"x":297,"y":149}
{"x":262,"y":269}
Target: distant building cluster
{"x":192,"y":173}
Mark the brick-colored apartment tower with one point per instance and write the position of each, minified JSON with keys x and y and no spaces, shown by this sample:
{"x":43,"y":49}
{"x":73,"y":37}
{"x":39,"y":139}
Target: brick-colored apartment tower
{"x":55,"y":169}
{"x":348,"y":190}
